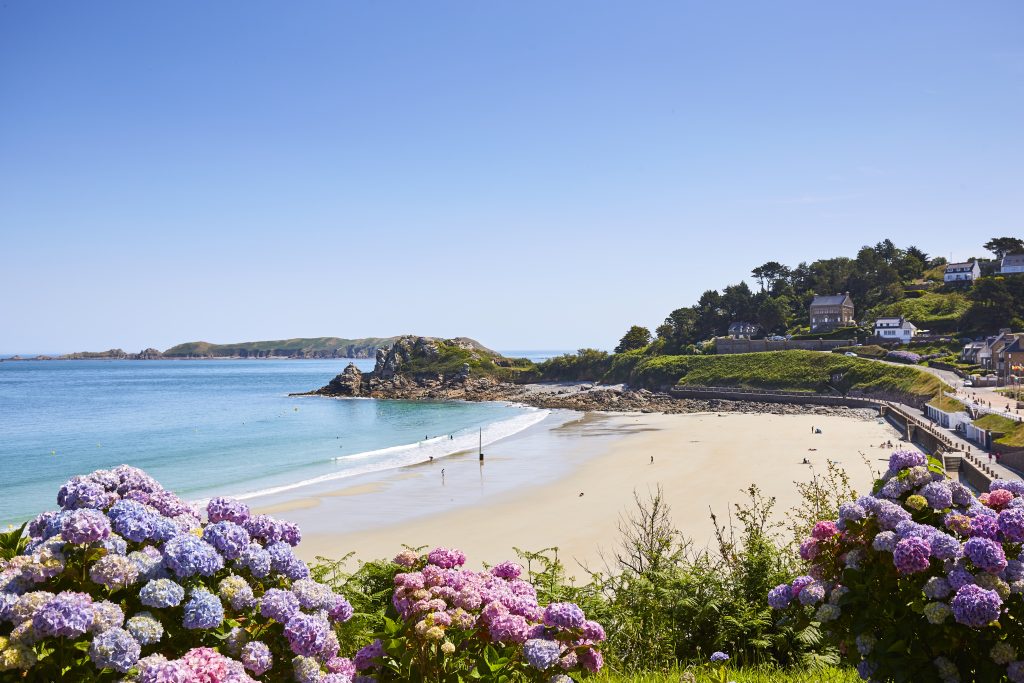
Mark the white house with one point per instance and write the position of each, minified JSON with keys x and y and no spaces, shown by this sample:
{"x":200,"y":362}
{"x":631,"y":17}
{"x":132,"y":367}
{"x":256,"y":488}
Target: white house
{"x":895,"y":329}
{"x":1012,"y":263}
{"x":968,"y":271}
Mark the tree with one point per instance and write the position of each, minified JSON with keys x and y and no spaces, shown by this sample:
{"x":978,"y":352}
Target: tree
{"x":1001,"y":246}
{"x":773,"y":315}
{"x":769,"y":273}
{"x":678,"y":330}
{"x":917,"y":253}
{"x":636,"y":338}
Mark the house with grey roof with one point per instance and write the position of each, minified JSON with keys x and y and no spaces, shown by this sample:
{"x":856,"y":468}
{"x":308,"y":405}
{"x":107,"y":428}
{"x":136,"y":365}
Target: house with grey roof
{"x":1012,"y":263}
{"x":897,"y":329}
{"x":965,"y":272}
{"x":830,"y":312}
{"x":743,"y":330}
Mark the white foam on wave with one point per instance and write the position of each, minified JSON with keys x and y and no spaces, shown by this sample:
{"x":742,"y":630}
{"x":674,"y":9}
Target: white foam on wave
{"x":410,"y":454}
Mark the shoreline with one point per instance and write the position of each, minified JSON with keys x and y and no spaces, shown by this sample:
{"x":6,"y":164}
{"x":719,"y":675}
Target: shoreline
{"x":527,"y":495}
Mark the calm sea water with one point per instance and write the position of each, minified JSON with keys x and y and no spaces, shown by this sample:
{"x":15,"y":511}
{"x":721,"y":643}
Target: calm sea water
{"x":212,"y":427}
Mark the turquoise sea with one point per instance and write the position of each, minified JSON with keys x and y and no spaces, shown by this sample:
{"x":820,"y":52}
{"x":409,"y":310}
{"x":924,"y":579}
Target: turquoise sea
{"x":214,"y":427}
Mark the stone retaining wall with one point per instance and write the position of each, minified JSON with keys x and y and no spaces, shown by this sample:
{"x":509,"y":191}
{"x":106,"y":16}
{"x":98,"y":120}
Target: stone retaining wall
{"x":725,"y":346}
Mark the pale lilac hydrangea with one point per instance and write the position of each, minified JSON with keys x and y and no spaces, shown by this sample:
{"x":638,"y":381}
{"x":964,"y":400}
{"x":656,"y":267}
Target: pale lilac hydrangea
{"x":114,"y":649}
{"x":85,"y":526}
{"x":67,"y":615}
{"x":257,"y":658}
{"x":161,"y":593}
{"x":975,"y":606}
{"x":203,"y":611}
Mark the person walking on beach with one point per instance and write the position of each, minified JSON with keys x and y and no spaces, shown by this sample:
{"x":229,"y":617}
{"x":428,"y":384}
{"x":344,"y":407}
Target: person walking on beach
{"x":652,"y":459}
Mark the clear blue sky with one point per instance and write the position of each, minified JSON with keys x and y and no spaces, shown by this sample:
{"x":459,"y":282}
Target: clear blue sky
{"x":532,"y":174}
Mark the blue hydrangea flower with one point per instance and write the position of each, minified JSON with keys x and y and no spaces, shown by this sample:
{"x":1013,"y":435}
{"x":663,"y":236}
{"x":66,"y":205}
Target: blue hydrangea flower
{"x":203,"y":611}
{"x":227,"y":537}
{"x":161,"y":593}
{"x":542,"y":654}
{"x":186,"y":555}
{"x":115,"y":649}
{"x":279,"y":605}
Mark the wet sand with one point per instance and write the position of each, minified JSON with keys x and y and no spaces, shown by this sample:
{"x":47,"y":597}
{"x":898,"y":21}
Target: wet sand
{"x":527,"y":493}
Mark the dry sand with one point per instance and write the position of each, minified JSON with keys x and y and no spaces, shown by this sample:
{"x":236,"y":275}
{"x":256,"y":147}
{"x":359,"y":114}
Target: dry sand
{"x":703,"y":462}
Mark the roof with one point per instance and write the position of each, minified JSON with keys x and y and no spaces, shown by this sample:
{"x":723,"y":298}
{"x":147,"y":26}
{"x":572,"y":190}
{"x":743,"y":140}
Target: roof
{"x":739,"y":325}
{"x":966,"y":264}
{"x":1015,"y":347}
{"x":1013,"y":260}
{"x":894,"y":318}
{"x":832,"y":300}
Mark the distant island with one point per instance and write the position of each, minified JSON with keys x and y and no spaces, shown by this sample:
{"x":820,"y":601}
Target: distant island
{"x":310,"y":347}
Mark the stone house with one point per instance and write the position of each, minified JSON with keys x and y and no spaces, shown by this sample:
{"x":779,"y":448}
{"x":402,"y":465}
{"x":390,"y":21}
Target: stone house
{"x":829,"y":312}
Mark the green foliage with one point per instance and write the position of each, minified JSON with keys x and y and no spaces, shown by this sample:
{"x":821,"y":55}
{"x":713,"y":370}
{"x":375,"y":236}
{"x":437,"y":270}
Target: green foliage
{"x":636,"y":338}
{"x":702,"y":673}
{"x":13,"y":542}
{"x":947,"y":404}
{"x":588,"y":365}
{"x":809,"y":371}
{"x":936,"y":311}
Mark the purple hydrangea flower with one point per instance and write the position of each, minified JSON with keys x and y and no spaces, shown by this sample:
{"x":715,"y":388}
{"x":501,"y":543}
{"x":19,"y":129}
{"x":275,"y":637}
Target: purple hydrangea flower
{"x":446,"y":558}
{"x":369,"y":656}
{"x":902,"y":460}
{"x":944,"y":546}
{"x":937,"y":588}
{"x":67,"y":615}
{"x":779,"y":597}
{"x":290,"y":533}
{"x":719,"y":657}
{"x":279,"y":605}
{"x":564,"y":615}
{"x":1011,"y":523}
{"x":890,"y":514}
{"x":851,"y":512}
{"x":938,"y":494}
{"x":986,"y":554}
{"x":341,"y":610}
{"x":85,"y":526}
{"x":1014,"y":571}
{"x":976,"y":607}
{"x":984,"y":526}
{"x":115,"y":649}
{"x":508,"y":628}
{"x":911,"y":555}
{"x":263,"y":527}
{"x":593,"y":631}
{"x":591,"y":660}
{"x":542,"y":654}
{"x":203,"y":611}
{"x":227,"y":510}
{"x":106,"y":615}
{"x":507,"y":570}
{"x":958,"y":577}
{"x":227,"y":537}
{"x":256,"y":657}
{"x":307,"y":635}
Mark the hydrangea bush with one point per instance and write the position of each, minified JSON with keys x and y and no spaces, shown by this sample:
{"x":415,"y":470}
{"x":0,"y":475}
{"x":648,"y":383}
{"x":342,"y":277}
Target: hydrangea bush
{"x":908,"y":357}
{"x":450,"y":621}
{"x":920,"y":581}
{"x":127,"y":582}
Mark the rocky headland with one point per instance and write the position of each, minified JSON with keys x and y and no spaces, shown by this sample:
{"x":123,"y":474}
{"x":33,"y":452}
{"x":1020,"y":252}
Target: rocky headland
{"x":461,"y":369}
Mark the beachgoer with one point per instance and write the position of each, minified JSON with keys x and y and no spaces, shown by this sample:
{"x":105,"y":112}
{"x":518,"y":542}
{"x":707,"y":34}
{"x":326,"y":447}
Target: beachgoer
{"x":652,"y":459}
{"x":431,"y":458}
{"x":581,"y":494}
{"x":442,"y":473}
{"x":812,"y":429}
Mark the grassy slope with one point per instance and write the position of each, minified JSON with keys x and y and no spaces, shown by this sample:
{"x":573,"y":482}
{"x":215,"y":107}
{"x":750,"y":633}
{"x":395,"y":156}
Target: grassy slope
{"x":1013,"y":430}
{"x":809,"y":371}
{"x":937,"y":311}
{"x":946,"y":404}
{"x":202,"y":348}
{"x":746,"y":675}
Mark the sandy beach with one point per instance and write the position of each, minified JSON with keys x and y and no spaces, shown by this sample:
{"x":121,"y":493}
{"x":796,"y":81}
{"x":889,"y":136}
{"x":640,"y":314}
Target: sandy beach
{"x":703,"y":462}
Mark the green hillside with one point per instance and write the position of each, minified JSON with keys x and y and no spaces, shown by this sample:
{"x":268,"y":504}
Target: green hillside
{"x":936,"y":311}
{"x":807,"y":371}
{"x":314,"y":347}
